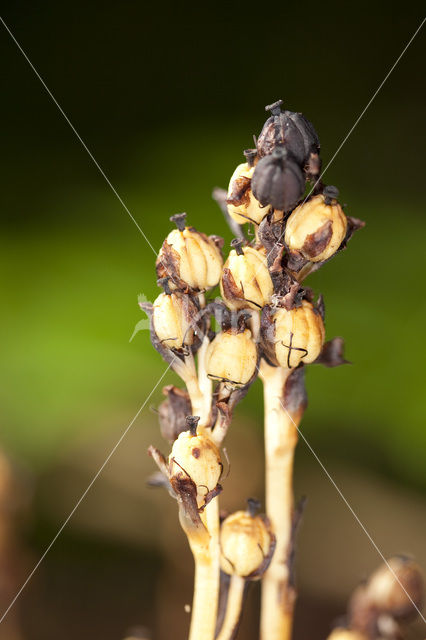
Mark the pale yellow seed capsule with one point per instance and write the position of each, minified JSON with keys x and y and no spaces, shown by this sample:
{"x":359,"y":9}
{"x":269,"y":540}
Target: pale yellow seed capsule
{"x":245,"y":281}
{"x":248,"y":208}
{"x":299,"y":335}
{"x":192,"y":257}
{"x":173,"y":317}
{"x":346,"y":634}
{"x":316,"y":229}
{"x":232,"y":357}
{"x":245,"y":543}
{"x":198,"y":458}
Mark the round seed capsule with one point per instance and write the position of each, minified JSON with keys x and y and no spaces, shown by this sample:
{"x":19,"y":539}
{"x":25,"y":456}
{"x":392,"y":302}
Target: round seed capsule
{"x":298,"y":335}
{"x":232,"y":357}
{"x":242,"y":205}
{"x":245,"y":281}
{"x":385,"y":592}
{"x":174,"y":317}
{"x":189,"y":259}
{"x":278,"y":180}
{"x":196,"y":457}
{"x":247,"y":545}
{"x":317,"y":228}
{"x":290,"y":129}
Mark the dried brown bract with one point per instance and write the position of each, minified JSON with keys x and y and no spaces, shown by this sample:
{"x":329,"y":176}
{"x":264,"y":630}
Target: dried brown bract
{"x":173,"y":411}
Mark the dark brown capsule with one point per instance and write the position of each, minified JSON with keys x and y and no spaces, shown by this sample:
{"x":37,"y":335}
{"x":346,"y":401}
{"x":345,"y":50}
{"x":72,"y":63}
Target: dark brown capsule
{"x":291,"y":130}
{"x":278,"y":180}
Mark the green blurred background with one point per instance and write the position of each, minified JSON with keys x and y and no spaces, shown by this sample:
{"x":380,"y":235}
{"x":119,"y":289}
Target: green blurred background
{"x":166,"y":97}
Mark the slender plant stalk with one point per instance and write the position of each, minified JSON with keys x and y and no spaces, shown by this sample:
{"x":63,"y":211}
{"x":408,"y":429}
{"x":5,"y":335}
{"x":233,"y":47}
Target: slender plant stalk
{"x":234,"y":608}
{"x":278,"y":596}
{"x":206,"y":582}
{"x":206,"y":551}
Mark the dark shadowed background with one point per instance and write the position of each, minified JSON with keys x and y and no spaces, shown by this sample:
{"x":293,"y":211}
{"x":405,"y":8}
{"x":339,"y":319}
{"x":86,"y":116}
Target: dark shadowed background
{"x":166,"y":98}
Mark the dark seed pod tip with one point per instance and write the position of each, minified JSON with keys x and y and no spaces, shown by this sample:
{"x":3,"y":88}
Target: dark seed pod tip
{"x":237,"y":244}
{"x":180,"y":220}
{"x":330,"y":193}
{"x":253,"y":506}
{"x":192,"y":423}
{"x":274,"y":108}
{"x":279,"y":152}
{"x":250,"y":155}
{"x":164,"y":283}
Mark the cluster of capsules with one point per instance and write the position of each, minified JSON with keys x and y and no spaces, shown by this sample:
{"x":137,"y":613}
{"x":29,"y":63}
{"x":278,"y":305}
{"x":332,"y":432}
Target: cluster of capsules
{"x":264,"y":310}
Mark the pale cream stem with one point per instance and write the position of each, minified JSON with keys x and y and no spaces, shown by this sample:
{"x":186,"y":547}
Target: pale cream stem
{"x":199,"y":403}
{"x":207,"y":575}
{"x":278,"y":596}
{"x":206,"y":550}
{"x":234,"y":608}
{"x":205,"y":384}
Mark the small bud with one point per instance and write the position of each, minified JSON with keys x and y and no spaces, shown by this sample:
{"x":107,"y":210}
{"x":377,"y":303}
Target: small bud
{"x":291,"y":130}
{"x":242,"y":205}
{"x":189,"y":259}
{"x":316,"y":228}
{"x":346,"y":634}
{"x":385,"y":592}
{"x":174,"y":320}
{"x":232,"y":357}
{"x":278,"y":180}
{"x":247,"y":545}
{"x":245,"y":281}
{"x":293,"y":337}
{"x":196,"y":457}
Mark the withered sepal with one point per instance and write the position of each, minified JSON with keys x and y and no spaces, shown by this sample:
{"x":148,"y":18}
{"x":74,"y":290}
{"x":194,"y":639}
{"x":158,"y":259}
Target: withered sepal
{"x":173,"y":411}
{"x":332,"y":354}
